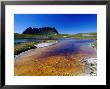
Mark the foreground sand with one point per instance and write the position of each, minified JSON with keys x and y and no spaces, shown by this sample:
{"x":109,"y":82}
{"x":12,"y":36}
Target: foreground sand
{"x":36,"y":62}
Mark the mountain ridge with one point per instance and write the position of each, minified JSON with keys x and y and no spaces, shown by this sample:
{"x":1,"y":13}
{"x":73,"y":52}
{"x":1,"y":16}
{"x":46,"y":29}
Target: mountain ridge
{"x":43,"y":30}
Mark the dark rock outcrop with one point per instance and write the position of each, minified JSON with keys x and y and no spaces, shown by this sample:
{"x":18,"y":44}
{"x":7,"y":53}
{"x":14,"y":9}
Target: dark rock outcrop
{"x":43,"y":30}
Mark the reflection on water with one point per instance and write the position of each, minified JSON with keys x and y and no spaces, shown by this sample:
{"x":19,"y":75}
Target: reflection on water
{"x":71,"y":46}
{"x":67,"y":46}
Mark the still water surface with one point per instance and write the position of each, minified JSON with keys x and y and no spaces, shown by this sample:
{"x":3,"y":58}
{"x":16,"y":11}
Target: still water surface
{"x":67,"y":46}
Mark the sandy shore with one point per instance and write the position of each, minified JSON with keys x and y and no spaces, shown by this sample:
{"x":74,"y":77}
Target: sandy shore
{"x":36,"y":62}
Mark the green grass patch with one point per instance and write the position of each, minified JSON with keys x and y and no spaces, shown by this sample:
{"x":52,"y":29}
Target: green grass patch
{"x":55,"y":36}
{"x":21,"y":47}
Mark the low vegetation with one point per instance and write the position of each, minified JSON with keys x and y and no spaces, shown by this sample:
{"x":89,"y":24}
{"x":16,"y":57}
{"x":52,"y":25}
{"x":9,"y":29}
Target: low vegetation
{"x":55,"y":36}
{"x":21,"y":47}
{"x":85,"y":36}
{"x":24,"y":46}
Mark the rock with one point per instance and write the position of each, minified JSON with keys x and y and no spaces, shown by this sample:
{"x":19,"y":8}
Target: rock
{"x":91,"y":65}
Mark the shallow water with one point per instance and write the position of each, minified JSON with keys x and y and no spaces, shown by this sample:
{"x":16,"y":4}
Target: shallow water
{"x":71,"y":46}
{"x":67,"y":46}
{"x":59,"y":59}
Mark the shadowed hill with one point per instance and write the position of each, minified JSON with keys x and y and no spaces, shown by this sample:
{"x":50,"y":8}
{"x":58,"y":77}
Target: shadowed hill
{"x":43,"y":30}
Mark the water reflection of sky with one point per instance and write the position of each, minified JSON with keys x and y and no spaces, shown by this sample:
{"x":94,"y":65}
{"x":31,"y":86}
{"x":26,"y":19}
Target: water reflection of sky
{"x":67,"y":46}
{"x":71,"y":46}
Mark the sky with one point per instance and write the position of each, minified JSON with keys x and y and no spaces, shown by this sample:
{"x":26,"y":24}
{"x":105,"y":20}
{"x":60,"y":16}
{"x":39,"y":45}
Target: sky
{"x":64,"y":23}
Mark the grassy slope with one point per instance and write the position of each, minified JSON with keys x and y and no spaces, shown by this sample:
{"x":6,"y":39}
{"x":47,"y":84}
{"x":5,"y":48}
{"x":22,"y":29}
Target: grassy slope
{"x":24,"y":36}
{"x":85,"y":36}
{"x":21,"y":47}
{"x":81,"y":36}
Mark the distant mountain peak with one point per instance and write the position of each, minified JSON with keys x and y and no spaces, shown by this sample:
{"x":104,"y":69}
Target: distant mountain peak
{"x":43,"y":30}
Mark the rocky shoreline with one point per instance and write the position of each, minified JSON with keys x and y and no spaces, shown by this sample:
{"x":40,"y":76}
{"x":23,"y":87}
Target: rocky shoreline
{"x":90,"y":65}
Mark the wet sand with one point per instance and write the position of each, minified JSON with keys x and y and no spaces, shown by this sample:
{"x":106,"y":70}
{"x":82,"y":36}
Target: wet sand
{"x":47,"y":62}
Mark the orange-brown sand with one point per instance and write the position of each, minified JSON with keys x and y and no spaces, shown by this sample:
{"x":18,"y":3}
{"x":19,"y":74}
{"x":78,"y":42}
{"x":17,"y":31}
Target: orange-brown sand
{"x":34,"y":63}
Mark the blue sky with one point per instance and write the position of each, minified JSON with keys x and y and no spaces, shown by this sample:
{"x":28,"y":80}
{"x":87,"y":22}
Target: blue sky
{"x":64,"y":23}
